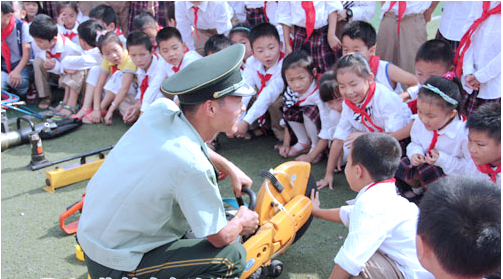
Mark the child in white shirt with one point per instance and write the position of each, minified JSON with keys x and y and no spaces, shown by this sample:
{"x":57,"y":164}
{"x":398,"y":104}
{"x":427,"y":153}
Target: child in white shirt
{"x":381,"y":241}
{"x":368,"y":107}
{"x":106,"y":15}
{"x":67,"y":14}
{"x":438,"y":137}
{"x":175,"y":56}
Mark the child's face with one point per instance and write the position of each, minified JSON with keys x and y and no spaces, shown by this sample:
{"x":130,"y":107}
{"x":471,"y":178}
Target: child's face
{"x":44,"y":44}
{"x":141,"y":56}
{"x":336,"y":104}
{"x":433,"y":116}
{"x":31,"y":9}
{"x":484,"y":149}
{"x":267,"y":50}
{"x":6,"y":19}
{"x":69,"y":17}
{"x":352,"y":86}
{"x":151,"y":33}
{"x":172,"y":50}
{"x":113,"y":52}
{"x":240,"y":38}
{"x":298,"y":79}
{"x":17,"y":9}
{"x":426,"y":69}
{"x":356,"y":46}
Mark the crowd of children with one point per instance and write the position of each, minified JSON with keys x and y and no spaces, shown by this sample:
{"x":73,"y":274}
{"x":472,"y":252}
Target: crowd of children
{"x":323,"y":78}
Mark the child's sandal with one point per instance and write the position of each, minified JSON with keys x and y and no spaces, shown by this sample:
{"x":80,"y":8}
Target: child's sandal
{"x":45,"y":103}
{"x":79,"y":117}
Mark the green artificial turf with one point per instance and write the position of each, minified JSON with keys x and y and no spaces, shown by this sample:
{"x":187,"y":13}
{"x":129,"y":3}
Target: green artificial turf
{"x":33,"y":245}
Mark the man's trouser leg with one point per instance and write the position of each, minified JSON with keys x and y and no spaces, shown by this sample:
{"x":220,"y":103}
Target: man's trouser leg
{"x":184,"y":258}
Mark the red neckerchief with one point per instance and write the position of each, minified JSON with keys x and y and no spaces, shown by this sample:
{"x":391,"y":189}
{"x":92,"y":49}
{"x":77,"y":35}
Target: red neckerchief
{"x":118,"y":32}
{"x":361,"y":110}
{"x":70,"y":35}
{"x":487,"y":169}
{"x":5,"y":47}
{"x":57,"y":55}
{"x":466,"y":40}
{"x":435,"y":136}
{"x":308,"y":7}
{"x":143,"y":87}
{"x":374,"y":63}
{"x":402,"y":6}
{"x":114,"y":69}
{"x":380,"y":182}
{"x":177,"y":68}
{"x":263,"y":79}
{"x":303,"y":100}
{"x":265,"y":12}
{"x":195,"y":20}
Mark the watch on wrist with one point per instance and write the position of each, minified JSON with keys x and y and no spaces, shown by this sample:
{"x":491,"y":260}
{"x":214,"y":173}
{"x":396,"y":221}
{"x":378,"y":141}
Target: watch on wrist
{"x":349,"y":13}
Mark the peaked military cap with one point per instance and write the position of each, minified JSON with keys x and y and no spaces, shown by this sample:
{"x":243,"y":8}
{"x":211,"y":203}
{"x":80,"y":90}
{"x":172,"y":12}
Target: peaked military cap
{"x":210,"y":78}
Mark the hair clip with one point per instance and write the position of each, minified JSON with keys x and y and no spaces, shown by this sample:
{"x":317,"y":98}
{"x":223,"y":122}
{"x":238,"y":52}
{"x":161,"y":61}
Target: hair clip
{"x":449,"y":75}
{"x":99,"y":34}
{"x":441,"y":94}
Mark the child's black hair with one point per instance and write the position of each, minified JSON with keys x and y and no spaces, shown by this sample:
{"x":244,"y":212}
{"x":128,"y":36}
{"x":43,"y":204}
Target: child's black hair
{"x":242,"y":28}
{"x":486,"y":118}
{"x":88,"y":31}
{"x":451,"y":88}
{"x":72,"y":4}
{"x":105,"y":13}
{"x":138,"y":38}
{"x":167,"y":33}
{"x":435,"y":50}
{"x":143,"y":20}
{"x":460,"y":221}
{"x":297,"y":59}
{"x":216,"y":43}
{"x":328,"y":87}
{"x":108,"y":37}
{"x":263,"y":30}
{"x":43,"y":27}
{"x":360,"y":30}
{"x":378,"y":153}
{"x":7,"y":7}
{"x":356,"y":62}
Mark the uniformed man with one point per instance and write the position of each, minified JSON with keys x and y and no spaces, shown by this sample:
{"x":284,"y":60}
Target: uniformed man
{"x":159,"y":181}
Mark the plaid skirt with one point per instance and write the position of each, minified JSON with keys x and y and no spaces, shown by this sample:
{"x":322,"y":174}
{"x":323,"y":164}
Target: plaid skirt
{"x":472,"y":102}
{"x":255,"y":16}
{"x":296,"y":114}
{"x":427,"y":173}
{"x":316,"y":46}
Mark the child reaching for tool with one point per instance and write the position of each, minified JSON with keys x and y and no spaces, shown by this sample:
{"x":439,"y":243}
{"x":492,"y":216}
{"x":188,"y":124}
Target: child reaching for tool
{"x":381,"y":241}
{"x":368,"y":107}
{"x":116,"y":78}
{"x":438,"y":137}
{"x":300,"y":110}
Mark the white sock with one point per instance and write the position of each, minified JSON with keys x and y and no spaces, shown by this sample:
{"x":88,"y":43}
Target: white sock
{"x":300,"y":132}
{"x":311,"y":130}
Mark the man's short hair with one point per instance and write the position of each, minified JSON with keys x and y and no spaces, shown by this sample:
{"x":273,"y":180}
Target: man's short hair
{"x":487,"y":118}
{"x":435,"y":50}
{"x":167,"y":33}
{"x":263,"y":30}
{"x":378,"y":153}
{"x":138,"y":38}
{"x":43,"y":27}
{"x":360,"y":30}
{"x":7,"y":7}
{"x":460,"y":221}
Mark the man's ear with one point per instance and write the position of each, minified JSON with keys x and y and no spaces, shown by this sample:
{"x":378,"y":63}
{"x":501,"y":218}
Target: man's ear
{"x":209,"y":107}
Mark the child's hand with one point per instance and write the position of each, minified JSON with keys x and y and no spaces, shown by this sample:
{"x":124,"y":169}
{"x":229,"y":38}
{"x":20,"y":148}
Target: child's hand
{"x":132,"y":114}
{"x":95,"y":116}
{"x":405,"y":96}
{"x":108,"y":117}
{"x":417,"y":159}
{"x":283,"y":151}
{"x":242,"y":128}
{"x":349,"y":141}
{"x":334,"y":42}
{"x":315,"y":199}
{"x":15,"y":78}
{"x":326,"y":181}
{"x":70,"y":71}
{"x":432,"y":157}
{"x":49,"y":63}
{"x":472,"y":82}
